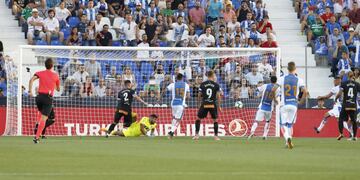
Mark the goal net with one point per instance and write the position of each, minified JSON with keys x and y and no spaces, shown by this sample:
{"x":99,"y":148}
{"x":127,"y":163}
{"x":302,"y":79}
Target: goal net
{"x":91,"y":77}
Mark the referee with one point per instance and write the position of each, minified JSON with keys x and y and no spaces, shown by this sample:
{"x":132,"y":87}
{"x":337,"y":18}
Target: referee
{"x":349,"y":90}
{"x":48,"y":81}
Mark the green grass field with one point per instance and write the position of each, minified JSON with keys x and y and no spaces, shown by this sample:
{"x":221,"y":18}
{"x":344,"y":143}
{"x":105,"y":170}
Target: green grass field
{"x":158,"y":158}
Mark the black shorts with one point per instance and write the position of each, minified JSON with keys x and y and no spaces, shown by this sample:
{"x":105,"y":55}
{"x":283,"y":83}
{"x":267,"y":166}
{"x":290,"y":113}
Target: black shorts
{"x":44,"y":104}
{"x":346,"y":114}
{"x":204,"y":110}
{"x":126,"y":113}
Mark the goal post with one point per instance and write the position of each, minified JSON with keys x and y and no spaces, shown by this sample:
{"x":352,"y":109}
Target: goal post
{"x":91,"y":77}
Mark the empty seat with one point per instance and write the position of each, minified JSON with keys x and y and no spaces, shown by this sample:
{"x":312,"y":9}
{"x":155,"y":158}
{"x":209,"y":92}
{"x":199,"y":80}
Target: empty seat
{"x":73,"y":21}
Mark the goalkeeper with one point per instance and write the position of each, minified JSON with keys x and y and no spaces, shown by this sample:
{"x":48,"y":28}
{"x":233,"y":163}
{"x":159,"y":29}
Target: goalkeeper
{"x":137,"y":128}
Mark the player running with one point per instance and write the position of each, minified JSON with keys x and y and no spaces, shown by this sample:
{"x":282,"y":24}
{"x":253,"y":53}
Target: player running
{"x":290,"y":84}
{"x":348,"y":90}
{"x":125,"y":98}
{"x":180,"y":91}
{"x":210,"y":93}
{"x":137,"y":128}
{"x":269,"y":94}
{"x":335,"y":111}
{"x":48,"y":82}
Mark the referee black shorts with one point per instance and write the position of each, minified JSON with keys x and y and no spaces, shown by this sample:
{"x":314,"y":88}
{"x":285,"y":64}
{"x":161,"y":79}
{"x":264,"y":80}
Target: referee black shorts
{"x":44,"y":104}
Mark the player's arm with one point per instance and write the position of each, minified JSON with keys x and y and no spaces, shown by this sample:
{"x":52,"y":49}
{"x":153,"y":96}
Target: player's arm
{"x":218,"y":97}
{"x":140,"y":100}
{"x":304,"y":96}
{"x":326,"y":96}
{"x":35,"y":77}
{"x":57,"y":82}
{"x":142,"y":129}
{"x":338,"y":95}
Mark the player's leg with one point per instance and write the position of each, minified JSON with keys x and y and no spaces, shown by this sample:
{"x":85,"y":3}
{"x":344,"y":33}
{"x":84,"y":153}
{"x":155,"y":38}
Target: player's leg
{"x":117,"y":118}
{"x":128,"y":119}
{"x":348,"y":126}
{"x":259,"y":117}
{"x":49,"y":122}
{"x":353,"y":115}
{"x":214,"y":116}
{"x":324,"y":120}
{"x":118,"y":133}
{"x":289,"y":119}
{"x":44,"y":104}
{"x":202,"y":113}
{"x":267,"y":124}
{"x":343,"y":117}
{"x":177,"y":112}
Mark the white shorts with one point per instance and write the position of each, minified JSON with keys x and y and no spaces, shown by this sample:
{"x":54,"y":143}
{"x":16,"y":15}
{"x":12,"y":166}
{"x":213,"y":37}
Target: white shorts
{"x":177,"y":111}
{"x":288,"y":114}
{"x":335,"y":111}
{"x":261,"y":115}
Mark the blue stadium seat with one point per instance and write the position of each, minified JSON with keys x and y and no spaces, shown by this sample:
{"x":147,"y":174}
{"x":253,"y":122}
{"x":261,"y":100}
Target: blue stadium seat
{"x":56,"y":43}
{"x":66,"y":32}
{"x":116,"y":43}
{"x":146,"y":68}
{"x":41,"y":43}
{"x":132,"y":65}
{"x":73,"y":21}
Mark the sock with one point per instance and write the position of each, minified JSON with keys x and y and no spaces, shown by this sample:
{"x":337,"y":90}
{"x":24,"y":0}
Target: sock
{"x":289,"y":127}
{"x":37,"y":123}
{"x":354,"y":128}
{"x":322,"y":124}
{"x":112,"y":127}
{"x":216,"y":128}
{"x":266,"y":129}
{"x":117,"y":118}
{"x":174,"y":125}
{"x":346,"y":126}
{"x":36,"y":128}
{"x":40,"y":128}
{"x":341,"y":126}
{"x":197,"y":126}
{"x":253,"y":127}
{"x":48,"y":123}
{"x":286,"y":132}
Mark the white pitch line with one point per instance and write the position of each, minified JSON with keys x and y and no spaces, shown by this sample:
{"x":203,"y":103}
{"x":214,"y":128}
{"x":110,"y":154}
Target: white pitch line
{"x":168,"y":173}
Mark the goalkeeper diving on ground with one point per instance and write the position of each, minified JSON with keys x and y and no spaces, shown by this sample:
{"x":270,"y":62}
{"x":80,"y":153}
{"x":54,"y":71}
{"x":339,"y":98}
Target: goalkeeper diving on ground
{"x":137,"y":128}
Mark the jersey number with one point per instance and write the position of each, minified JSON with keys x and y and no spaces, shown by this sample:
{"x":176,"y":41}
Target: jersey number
{"x":350,"y":93}
{"x":180,"y":92}
{"x":209,"y":93}
{"x":288,"y":89}
{"x":126,"y":97}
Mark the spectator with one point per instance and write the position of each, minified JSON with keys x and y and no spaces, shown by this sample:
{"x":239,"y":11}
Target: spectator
{"x":253,"y":34}
{"x":196,"y":85}
{"x":246,"y":24}
{"x":150,"y":29}
{"x":180,"y":30}
{"x":93,"y":68}
{"x":138,"y":13}
{"x":309,"y":19}
{"x":197,"y":16}
{"x":236,"y":75}
{"x":241,"y":33}
{"x":207,"y":39}
{"x":357,"y":75}
{"x":52,"y":27}
{"x":181,"y":12}
{"x":202,"y":69}
{"x":75,"y":38}
{"x":98,"y":24}
{"x":230,"y":67}
{"x":128,"y":75}
{"x":214,"y":10}
{"x":90,"y":35}
{"x":112,"y":74}
{"x":102,"y":8}
{"x":1,"y":48}
{"x":245,"y":90}
{"x":315,"y":29}
{"x":35,"y":24}
{"x":164,"y":84}
{"x":192,"y":38}
{"x":152,"y":10}
{"x":243,"y":11}
{"x":82,"y":28}
{"x":320,"y":104}
{"x":115,"y":7}
{"x":144,"y":43}
{"x":151,"y":89}
{"x":90,"y":11}
{"x":61,"y":14}
{"x":259,"y":11}
{"x":168,"y":11}
{"x":269,"y":43}
{"x":264,"y":24}
{"x":351,"y":39}
{"x":159,"y":74}
{"x":117,"y":85}
{"x":100,"y":89}
{"x":254,"y":77}
{"x":237,"y":42}
{"x":265,"y":69}
{"x":331,"y":25}
{"x":25,"y":14}
{"x":109,"y":92}
{"x":327,"y":15}
{"x":231,"y":26}
{"x":87,"y":88}
{"x":344,"y":64}
{"x":354,"y":14}
{"x":333,"y":38}
{"x":130,"y":30}
{"x":338,"y":8}
{"x":344,"y":20}
{"x":72,"y":6}
{"x":336,"y":56}
{"x":229,"y":13}
{"x":216,"y":24}
{"x":71,"y":87}
{"x":80,"y":75}
{"x":104,"y":38}
{"x":71,"y":66}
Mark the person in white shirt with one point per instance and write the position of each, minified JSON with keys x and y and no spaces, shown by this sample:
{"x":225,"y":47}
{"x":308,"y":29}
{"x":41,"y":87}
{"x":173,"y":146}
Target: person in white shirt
{"x":265,"y":69}
{"x":93,"y":68}
{"x":61,"y":13}
{"x":180,"y":31}
{"x":144,"y":43}
{"x":232,"y":25}
{"x":338,"y":8}
{"x":81,"y":74}
{"x":35,"y":24}
{"x":207,"y":39}
{"x":254,"y":77}
{"x":98,"y":24}
{"x":52,"y":26}
{"x":130,"y":30}
{"x":100,"y":89}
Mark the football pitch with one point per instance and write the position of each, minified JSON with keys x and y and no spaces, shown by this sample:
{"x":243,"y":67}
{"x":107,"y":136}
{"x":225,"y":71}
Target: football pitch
{"x":181,"y":158}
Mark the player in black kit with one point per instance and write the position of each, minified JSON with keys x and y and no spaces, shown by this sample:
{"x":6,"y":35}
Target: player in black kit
{"x":349,"y":90}
{"x":125,"y":98}
{"x":209,"y":95}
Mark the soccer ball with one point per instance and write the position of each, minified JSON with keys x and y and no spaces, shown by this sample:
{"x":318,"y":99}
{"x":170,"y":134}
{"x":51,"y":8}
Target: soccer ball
{"x":239,"y":104}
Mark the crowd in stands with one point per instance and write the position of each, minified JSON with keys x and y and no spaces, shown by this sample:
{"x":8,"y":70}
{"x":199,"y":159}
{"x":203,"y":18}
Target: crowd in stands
{"x":332,"y":29}
{"x":152,"y":23}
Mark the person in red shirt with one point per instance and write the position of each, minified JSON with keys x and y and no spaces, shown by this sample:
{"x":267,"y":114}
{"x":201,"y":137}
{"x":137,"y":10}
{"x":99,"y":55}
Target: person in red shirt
{"x":327,"y":15}
{"x":269,"y":43}
{"x":264,"y":24}
{"x":48,"y":82}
